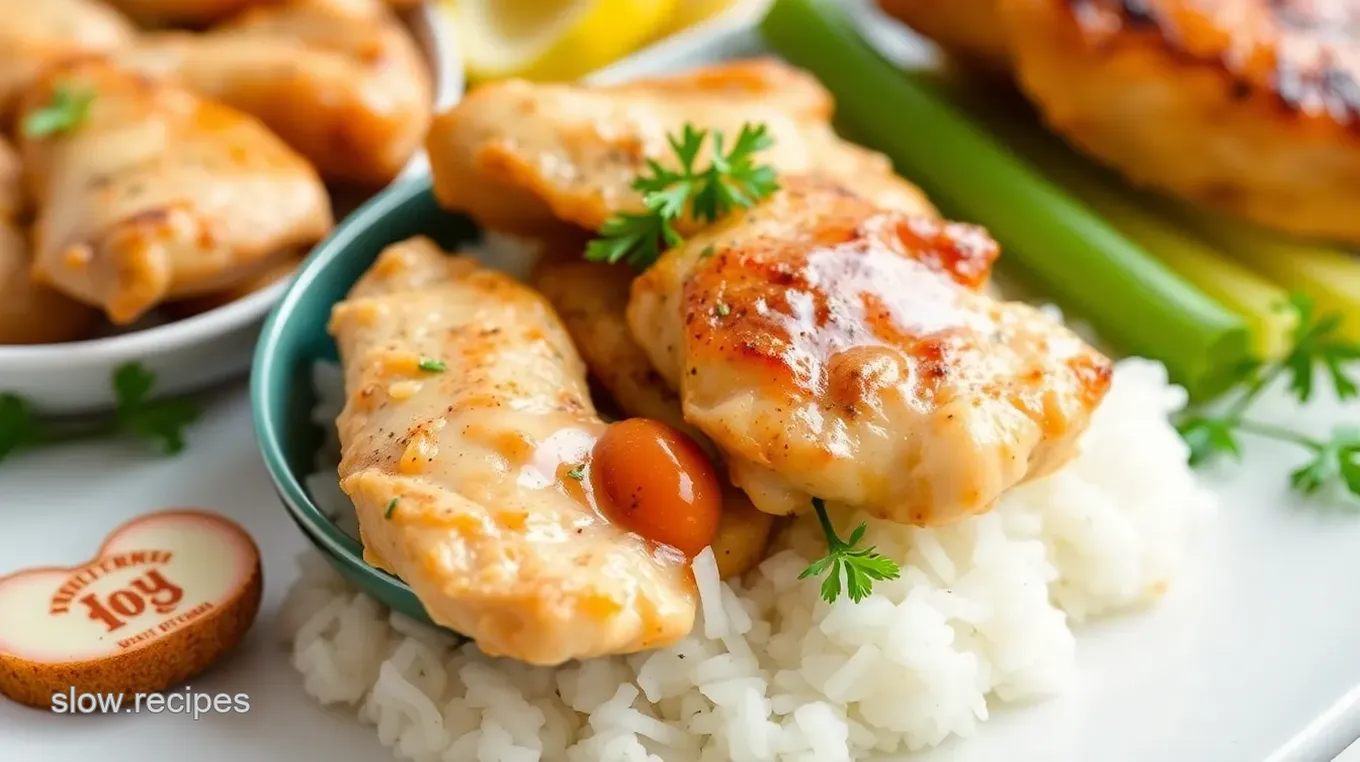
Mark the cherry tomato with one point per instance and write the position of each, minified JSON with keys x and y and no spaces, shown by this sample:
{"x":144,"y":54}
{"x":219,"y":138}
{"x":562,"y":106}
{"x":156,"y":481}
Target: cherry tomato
{"x":657,"y":482}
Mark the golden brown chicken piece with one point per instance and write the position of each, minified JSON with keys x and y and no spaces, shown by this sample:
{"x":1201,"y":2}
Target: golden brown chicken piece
{"x":35,"y":34}
{"x":31,"y":313}
{"x":343,"y":83}
{"x":460,"y":476}
{"x":1248,"y":106}
{"x":193,"y":13}
{"x":834,"y":349}
{"x":968,"y":29}
{"x":157,"y":194}
{"x":197,"y":305}
{"x":12,"y":203}
{"x":517,"y":156}
{"x":592,"y":300}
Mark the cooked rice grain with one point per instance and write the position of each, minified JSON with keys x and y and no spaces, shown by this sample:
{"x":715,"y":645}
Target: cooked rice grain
{"x":771,"y":673}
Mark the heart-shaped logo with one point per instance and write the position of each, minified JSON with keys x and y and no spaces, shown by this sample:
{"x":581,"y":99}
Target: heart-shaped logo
{"x":166,"y":595}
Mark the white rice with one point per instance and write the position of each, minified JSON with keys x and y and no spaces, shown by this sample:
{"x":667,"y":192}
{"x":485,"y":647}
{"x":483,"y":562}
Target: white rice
{"x":982,"y":614}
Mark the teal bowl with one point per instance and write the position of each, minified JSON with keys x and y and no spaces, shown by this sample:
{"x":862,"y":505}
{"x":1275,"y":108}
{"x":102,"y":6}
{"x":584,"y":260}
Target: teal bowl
{"x":294,"y":339}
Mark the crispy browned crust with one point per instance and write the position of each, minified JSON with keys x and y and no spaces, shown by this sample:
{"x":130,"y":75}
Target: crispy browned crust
{"x":1306,"y":59}
{"x":1248,"y":106}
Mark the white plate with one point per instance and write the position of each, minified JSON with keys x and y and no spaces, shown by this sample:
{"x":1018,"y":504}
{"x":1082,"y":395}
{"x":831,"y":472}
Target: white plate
{"x":206,"y":349}
{"x":1254,"y":656}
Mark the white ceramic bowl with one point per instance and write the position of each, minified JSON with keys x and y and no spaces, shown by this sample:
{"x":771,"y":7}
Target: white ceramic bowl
{"x":205,"y":349}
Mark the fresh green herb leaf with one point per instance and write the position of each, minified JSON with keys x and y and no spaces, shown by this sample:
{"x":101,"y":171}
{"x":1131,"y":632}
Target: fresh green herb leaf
{"x":1316,"y":343}
{"x":633,"y":238}
{"x":1207,"y":437}
{"x":432,"y":366}
{"x":578,"y":472}
{"x":18,"y":429}
{"x":860,"y":566}
{"x":391,"y":508}
{"x":732,"y":179}
{"x":67,"y":108}
{"x":161,"y":422}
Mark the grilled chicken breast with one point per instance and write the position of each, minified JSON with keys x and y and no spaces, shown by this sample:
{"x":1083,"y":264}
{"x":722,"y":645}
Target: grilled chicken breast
{"x":518,"y":156}
{"x":592,"y":300}
{"x":1251,"y":107}
{"x":967,"y":29}
{"x":35,"y":34}
{"x":340,"y":80}
{"x":834,"y":349}
{"x":157,"y":194}
{"x":460,"y":478}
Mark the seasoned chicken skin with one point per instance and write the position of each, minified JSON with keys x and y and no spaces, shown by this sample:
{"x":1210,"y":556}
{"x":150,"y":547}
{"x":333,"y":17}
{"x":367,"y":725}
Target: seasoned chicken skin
{"x":36,"y":33}
{"x":461,"y":477}
{"x":1249,"y":106}
{"x":592,"y":300}
{"x":159,"y":194}
{"x":834,"y":349}
{"x":343,"y":83}
{"x":517,"y":156}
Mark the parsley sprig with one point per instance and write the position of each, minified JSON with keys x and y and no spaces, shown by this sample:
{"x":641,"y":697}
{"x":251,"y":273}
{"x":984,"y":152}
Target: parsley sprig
{"x":160,"y":423}
{"x":732,"y":179}
{"x":1317,"y":346}
{"x":66,"y":110}
{"x":861,"y":566}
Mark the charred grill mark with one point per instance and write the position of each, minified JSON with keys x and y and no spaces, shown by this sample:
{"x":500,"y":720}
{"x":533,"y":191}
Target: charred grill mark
{"x":1311,"y":71}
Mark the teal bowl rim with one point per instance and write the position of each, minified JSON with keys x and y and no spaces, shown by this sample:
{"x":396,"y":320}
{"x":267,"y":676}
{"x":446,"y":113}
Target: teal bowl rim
{"x":314,"y":523}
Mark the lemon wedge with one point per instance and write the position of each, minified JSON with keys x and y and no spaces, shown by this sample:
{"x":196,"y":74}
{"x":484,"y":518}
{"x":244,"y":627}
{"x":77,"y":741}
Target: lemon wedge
{"x":688,"y":14}
{"x":552,"y":39}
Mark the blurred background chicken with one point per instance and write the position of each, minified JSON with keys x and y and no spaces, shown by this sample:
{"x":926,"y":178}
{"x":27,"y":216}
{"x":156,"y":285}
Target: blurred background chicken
{"x":1248,"y":107}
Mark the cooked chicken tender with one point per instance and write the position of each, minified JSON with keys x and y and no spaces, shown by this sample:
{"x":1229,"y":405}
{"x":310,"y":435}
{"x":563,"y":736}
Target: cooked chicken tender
{"x":40,"y":32}
{"x":158,"y":194}
{"x":834,"y":349}
{"x":968,"y":29}
{"x":343,"y":83}
{"x":592,"y":300}
{"x":197,"y":305}
{"x":11,"y":183}
{"x":518,"y":156}
{"x":1248,"y":106}
{"x":185,"y":12}
{"x":461,"y":476}
{"x":31,"y":313}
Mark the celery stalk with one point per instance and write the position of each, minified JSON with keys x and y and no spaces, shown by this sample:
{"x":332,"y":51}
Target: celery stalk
{"x":1129,"y":297}
{"x":1241,"y":289}
{"x":1328,"y":274}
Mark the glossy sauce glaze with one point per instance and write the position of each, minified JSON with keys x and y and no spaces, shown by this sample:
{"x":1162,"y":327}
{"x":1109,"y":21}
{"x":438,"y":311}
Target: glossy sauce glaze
{"x":831,"y":347}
